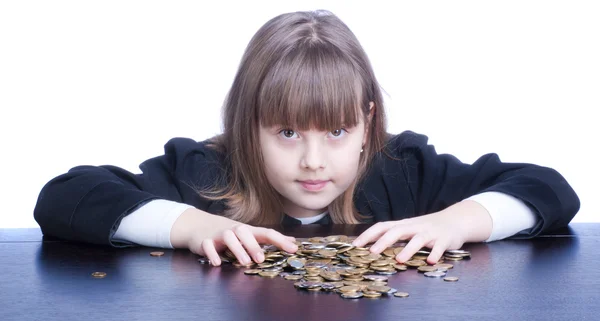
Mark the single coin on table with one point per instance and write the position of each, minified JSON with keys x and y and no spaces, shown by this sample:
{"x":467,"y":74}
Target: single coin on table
{"x":401,"y":294}
{"x":99,"y":275}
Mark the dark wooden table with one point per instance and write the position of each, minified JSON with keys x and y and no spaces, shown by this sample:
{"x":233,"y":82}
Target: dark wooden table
{"x":553,"y":277}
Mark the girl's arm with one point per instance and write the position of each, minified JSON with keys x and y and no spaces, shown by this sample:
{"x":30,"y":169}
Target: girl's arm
{"x":437,"y":201}
{"x":87,"y":203}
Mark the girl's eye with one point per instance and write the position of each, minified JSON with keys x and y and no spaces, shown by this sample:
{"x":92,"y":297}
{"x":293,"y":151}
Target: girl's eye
{"x":288,"y":133}
{"x":338,"y":132}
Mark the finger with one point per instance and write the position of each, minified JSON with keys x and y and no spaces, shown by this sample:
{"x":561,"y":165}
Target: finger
{"x":208,"y":246}
{"x":437,"y":251}
{"x":390,"y":237}
{"x":233,"y":243}
{"x":265,"y":235}
{"x":371,"y":234}
{"x":415,"y":244}
{"x":249,"y":242}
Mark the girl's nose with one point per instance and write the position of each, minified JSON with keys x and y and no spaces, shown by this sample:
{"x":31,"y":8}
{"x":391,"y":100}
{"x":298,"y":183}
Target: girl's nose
{"x":313,"y":157}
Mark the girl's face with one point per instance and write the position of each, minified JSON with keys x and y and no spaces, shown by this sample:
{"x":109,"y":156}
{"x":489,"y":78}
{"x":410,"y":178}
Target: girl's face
{"x":294,"y":158}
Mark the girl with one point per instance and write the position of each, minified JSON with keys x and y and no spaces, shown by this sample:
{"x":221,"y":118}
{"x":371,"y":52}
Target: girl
{"x":304,"y":142}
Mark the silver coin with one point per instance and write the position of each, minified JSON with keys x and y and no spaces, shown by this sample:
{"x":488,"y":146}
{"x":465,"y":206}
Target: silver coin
{"x":352,"y":295}
{"x":270,"y":248}
{"x":315,"y":247}
{"x":343,"y":257}
{"x":284,"y":274}
{"x":296,"y":264}
{"x":315,"y":264}
{"x":204,"y":260}
{"x":391,"y":291}
{"x":437,"y":274}
{"x":458,"y":252}
{"x":386,"y":272}
{"x":299,"y":272}
{"x":312,"y":285}
{"x":375,"y":277}
{"x":273,"y":269}
{"x":327,"y":286}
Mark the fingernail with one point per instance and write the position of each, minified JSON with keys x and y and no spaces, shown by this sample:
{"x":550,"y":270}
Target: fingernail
{"x":260,"y":257}
{"x":246,"y":259}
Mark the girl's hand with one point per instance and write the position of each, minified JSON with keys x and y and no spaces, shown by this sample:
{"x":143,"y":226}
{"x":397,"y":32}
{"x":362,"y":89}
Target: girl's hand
{"x":463,"y":222}
{"x":243,"y":241}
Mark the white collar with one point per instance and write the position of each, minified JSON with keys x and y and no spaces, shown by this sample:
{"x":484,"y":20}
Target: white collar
{"x":311,"y":219}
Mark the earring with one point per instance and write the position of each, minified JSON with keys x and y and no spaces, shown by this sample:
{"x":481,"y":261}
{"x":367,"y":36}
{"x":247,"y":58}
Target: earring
{"x":361,"y":150}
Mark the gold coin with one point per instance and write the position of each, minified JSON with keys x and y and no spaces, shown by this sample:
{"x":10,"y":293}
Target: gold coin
{"x":371,"y":294}
{"x":249,"y":265}
{"x":331,"y":276}
{"x":252,"y":271}
{"x":400,"y":267}
{"x":99,"y":275}
{"x":358,"y":252}
{"x":401,"y":294}
{"x":453,"y":258}
{"x":450,"y":279}
{"x":380,"y":263}
{"x":157,"y":253}
{"x":379,"y":288}
{"x":444,"y":265}
{"x":415,"y":263}
{"x":426,"y":268}
{"x":268,"y":274}
{"x":349,"y":288}
{"x":293,"y":277}
{"x":389,"y":252}
{"x":265,"y":265}
{"x":397,"y":250}
{"x":372,"y":256}
{"x":328,"y":253}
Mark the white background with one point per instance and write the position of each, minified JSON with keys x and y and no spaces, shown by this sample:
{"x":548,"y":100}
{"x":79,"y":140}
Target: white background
{"x":109,"y":82}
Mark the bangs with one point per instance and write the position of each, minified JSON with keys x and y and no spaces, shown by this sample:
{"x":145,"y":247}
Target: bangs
{"x":311,"y":88}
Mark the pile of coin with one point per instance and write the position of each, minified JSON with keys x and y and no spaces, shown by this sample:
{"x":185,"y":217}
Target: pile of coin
{"x":333,"y":264}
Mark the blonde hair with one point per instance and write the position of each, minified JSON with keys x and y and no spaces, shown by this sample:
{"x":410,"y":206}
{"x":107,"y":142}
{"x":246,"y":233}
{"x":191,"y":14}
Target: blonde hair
{"x":302,"y":70}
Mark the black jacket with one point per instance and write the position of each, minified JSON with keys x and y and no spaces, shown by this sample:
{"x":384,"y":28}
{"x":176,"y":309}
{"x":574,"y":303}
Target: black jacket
{"x":87,"y":203}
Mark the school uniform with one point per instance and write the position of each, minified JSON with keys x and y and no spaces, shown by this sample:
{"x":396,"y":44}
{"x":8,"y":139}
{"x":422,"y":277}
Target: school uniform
{"x":109,"y":205}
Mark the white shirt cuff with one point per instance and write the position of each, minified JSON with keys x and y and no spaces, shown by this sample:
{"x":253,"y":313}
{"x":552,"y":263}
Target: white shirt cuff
{"x":510,"y":215}
{"x":150,"y":225}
